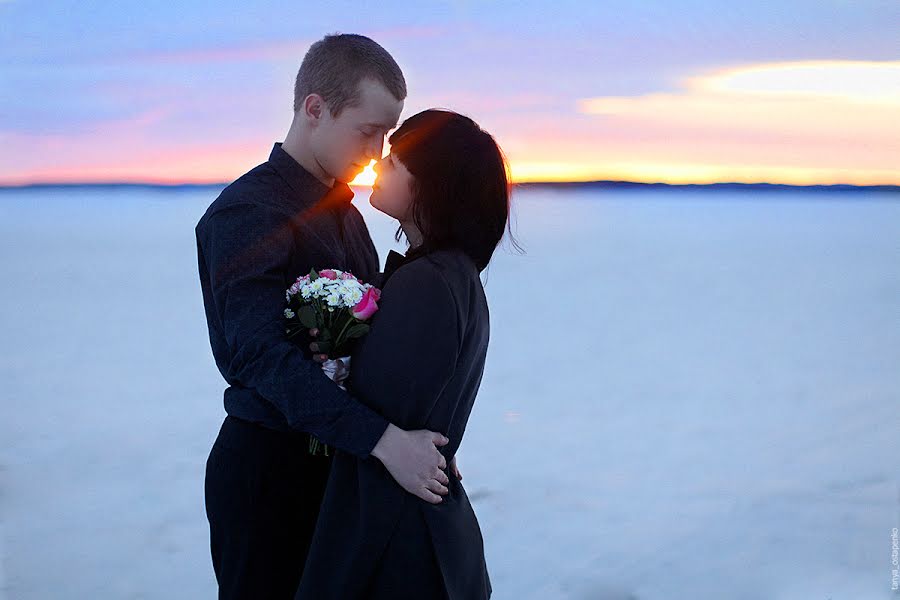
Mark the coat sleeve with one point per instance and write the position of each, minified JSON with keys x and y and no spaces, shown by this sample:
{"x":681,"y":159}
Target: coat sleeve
{"x":403,"y":364}
{"x":247,"y":247}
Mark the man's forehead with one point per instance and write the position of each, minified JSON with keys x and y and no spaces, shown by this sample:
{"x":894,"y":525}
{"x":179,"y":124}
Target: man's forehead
{"x":380,"y":121}
{"x":377,"y":108}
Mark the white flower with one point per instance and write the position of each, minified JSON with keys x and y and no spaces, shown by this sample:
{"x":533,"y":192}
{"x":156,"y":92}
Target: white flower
{"x":352,"y":297}
{"x":289,"y":313}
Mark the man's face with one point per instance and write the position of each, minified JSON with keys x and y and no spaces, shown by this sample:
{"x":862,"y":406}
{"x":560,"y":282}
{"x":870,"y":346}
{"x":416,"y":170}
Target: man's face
{"x":343,"y":146}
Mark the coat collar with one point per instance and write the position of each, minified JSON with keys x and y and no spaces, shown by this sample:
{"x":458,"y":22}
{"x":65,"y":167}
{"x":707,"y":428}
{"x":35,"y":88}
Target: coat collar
{"x":393,"y":262}
{"x":309,"y":190}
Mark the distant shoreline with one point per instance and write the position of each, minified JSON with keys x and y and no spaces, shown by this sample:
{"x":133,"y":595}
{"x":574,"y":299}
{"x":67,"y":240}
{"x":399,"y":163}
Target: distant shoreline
{"x":637,"y":185}
{"x":618,"y":185}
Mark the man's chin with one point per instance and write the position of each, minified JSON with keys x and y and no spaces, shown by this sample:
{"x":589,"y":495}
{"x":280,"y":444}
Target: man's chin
{"x":351,"y":174}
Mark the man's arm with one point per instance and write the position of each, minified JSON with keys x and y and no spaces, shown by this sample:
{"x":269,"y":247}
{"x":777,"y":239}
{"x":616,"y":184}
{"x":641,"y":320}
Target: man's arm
{"x":247,"y":247}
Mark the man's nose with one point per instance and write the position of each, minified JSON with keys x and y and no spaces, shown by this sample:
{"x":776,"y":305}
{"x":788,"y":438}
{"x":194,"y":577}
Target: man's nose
{"x":376,"y":148}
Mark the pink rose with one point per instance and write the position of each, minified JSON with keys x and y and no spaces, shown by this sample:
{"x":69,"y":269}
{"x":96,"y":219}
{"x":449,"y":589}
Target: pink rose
{"x":376,"y":292}
{"x":348,"y":276}
{"x":366,"y":307}
{"x":328,"y":274}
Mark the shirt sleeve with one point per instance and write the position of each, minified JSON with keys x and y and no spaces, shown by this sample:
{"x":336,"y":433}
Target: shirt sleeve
{"x":248,"y":247}
{"x":410,"y":353}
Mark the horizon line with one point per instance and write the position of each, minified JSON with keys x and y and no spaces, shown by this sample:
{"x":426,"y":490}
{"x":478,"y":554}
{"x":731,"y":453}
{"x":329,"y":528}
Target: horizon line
{"x":592,"y":183}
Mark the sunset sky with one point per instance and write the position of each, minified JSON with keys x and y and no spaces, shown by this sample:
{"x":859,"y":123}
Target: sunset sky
{"x":679,"y":92}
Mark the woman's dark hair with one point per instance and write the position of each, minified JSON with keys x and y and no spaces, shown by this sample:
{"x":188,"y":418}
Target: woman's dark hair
{"x":461,"y":189}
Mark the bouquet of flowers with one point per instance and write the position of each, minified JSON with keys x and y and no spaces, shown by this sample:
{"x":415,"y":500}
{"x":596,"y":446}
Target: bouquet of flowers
{"x":338,"y":305}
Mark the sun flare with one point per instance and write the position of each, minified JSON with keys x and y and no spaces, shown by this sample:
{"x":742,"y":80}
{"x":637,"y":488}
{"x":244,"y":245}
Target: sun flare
{"x":366,"y":177}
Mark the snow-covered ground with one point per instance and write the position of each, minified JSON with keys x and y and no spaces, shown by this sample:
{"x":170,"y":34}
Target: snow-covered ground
{"x":689,"y":395}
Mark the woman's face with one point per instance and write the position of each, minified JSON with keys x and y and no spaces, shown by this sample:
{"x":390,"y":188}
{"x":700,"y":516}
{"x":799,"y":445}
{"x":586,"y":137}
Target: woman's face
{"x":392,"y":192}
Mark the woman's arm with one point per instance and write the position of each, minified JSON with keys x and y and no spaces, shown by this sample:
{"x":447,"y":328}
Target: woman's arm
{"x":409,"y":355}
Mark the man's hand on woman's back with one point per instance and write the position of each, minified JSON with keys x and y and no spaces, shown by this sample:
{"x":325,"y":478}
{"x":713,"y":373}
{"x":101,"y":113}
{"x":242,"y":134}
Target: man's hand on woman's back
{"x":413,"y":460}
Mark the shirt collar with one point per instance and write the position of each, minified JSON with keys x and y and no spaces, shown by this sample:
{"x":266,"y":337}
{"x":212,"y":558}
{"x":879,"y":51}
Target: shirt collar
{"x":308,"y":188}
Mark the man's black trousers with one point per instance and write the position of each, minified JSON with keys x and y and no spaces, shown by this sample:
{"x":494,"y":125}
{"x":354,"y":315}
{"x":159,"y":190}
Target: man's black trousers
{"x":263,"y":491}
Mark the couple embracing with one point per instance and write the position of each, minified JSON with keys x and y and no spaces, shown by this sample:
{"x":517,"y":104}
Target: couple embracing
{"x":382,"y":512}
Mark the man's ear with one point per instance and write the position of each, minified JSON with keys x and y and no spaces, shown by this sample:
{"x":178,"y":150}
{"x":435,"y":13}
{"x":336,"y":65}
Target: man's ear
{"x":313,"y":107}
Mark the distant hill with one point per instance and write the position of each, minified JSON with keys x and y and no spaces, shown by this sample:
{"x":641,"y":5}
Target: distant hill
{"x":619,"y":185}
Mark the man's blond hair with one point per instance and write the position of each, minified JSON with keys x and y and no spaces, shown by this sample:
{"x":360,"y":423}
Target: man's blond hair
{"x":334,"y":66}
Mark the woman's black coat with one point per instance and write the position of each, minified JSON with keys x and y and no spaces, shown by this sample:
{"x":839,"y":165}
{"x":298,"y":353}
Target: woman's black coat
{"x":420,"y":367}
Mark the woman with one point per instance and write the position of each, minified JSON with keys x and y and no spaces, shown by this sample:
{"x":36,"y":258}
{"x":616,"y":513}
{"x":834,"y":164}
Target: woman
{"x":419,"y":366}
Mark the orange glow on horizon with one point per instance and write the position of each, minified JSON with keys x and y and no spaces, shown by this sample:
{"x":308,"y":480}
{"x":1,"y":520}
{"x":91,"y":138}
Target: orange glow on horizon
{"x":526,"y":165}
{"x":698,"y":173}
{"x":532,"y":172}
{"x":796,"y":123}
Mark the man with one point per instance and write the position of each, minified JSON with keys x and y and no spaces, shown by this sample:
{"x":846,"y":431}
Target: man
{"x":290,"y":214}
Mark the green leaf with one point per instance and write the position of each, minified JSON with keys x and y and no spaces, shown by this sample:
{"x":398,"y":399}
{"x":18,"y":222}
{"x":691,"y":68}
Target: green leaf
{"x":358,"y":330}
{"x":313,"y":275}
{"x":307,"y":316}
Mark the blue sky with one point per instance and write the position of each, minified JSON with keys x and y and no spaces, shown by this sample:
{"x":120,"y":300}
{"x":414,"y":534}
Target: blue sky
{"x":200,"y":90}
